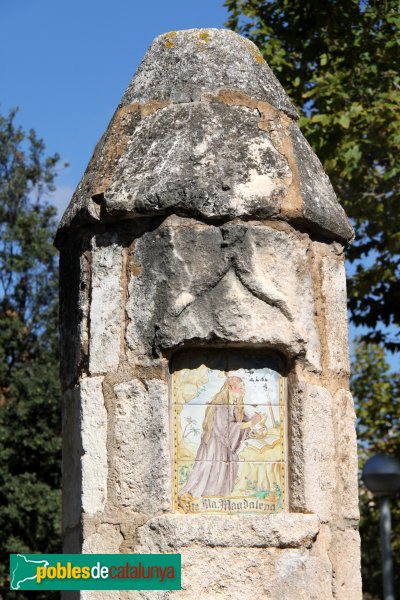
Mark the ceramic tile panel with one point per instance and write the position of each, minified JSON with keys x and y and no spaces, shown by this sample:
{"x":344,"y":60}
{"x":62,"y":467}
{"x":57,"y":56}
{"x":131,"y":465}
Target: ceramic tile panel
{"x":261,"y":437}
{"x":260,"y":482}
{"x":245,"y":487}
{"x":190,"y":432}
{"x":198,"y":378}
{"x":229,"y":432}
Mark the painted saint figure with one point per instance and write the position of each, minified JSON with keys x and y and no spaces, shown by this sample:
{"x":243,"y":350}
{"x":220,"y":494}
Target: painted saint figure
{"x":225,"y":426}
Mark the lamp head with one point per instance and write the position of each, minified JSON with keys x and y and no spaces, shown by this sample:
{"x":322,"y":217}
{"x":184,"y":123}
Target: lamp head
{"x":381,"y":475}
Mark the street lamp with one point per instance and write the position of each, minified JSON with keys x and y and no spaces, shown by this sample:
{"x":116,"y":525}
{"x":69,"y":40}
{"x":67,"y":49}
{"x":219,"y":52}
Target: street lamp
{"x":381,"y":475}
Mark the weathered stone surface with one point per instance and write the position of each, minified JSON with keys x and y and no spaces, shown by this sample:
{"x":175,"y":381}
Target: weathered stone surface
{"x":313,"y":460}
{"x":146,"y":595}
{"x":345,"y":557}
{"x":229,"y":312}
{"x":84,"y":457}
{"x":335,"y":310}
{"x":106,"y":304}
{"x":170,"y":533}
{"x":321,"y":209}
{"x":141,"y":458}
{"x":74,"y":309}
{"x":346,"y":455}
{"x":106,"y":540}
{"x":273,"y":264}
{"x":171,"y":268}
{"x":210,"y":160}
{"x":274,"y":574}
{"x":181,"y":65}
{"x":260,"y":288}
{"x":94,"y":445}
{"x":99,"y":595}
{"x":82,"y":208}
{"x":299,"y":574}
{"x":226,"y":146}
{"x":322,"y":544}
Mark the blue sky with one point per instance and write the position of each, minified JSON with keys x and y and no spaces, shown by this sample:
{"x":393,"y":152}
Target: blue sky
{"x":67,"y":64}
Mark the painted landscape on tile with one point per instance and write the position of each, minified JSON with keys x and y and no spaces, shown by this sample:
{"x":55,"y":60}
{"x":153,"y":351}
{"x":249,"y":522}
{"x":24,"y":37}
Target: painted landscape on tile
{"x":228,"y":433}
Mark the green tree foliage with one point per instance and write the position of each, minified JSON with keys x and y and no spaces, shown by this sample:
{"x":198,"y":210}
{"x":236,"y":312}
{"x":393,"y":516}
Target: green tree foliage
{"x":377,"y":394}
{"x":338,"y":61}
{"x":29,"y":389}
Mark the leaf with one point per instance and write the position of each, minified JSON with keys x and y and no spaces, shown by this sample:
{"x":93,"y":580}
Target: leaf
{"x":344,"y":120}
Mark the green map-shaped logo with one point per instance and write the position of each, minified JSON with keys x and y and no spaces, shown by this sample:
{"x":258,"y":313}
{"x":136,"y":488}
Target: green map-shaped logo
{"x":24,"y":569}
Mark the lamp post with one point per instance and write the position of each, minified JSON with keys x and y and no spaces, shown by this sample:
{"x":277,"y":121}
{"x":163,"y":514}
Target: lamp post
{"x":381,"y":475}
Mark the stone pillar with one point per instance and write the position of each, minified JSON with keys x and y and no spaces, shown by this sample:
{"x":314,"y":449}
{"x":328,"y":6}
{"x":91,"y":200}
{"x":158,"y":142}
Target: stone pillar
{"x":205,"y":359}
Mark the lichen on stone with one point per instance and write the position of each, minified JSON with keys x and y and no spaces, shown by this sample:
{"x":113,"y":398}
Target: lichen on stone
{"x":169,"y":43}
{"x":204,"y":36}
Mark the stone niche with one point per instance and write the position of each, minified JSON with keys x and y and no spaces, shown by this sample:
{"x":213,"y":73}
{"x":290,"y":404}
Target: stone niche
{"x":205,"y":362}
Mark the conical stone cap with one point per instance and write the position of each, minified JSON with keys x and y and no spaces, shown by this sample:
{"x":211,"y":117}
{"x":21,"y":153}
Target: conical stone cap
{"x":205,"y":130}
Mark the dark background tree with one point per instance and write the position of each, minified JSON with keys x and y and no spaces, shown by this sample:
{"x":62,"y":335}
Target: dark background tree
{"x":376,"y":391}
{"x":338,"y":62}
{"x":30,"y":422}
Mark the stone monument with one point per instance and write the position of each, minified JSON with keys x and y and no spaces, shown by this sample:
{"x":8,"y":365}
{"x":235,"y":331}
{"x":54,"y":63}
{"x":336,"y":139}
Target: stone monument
{"x":205,"y":360}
